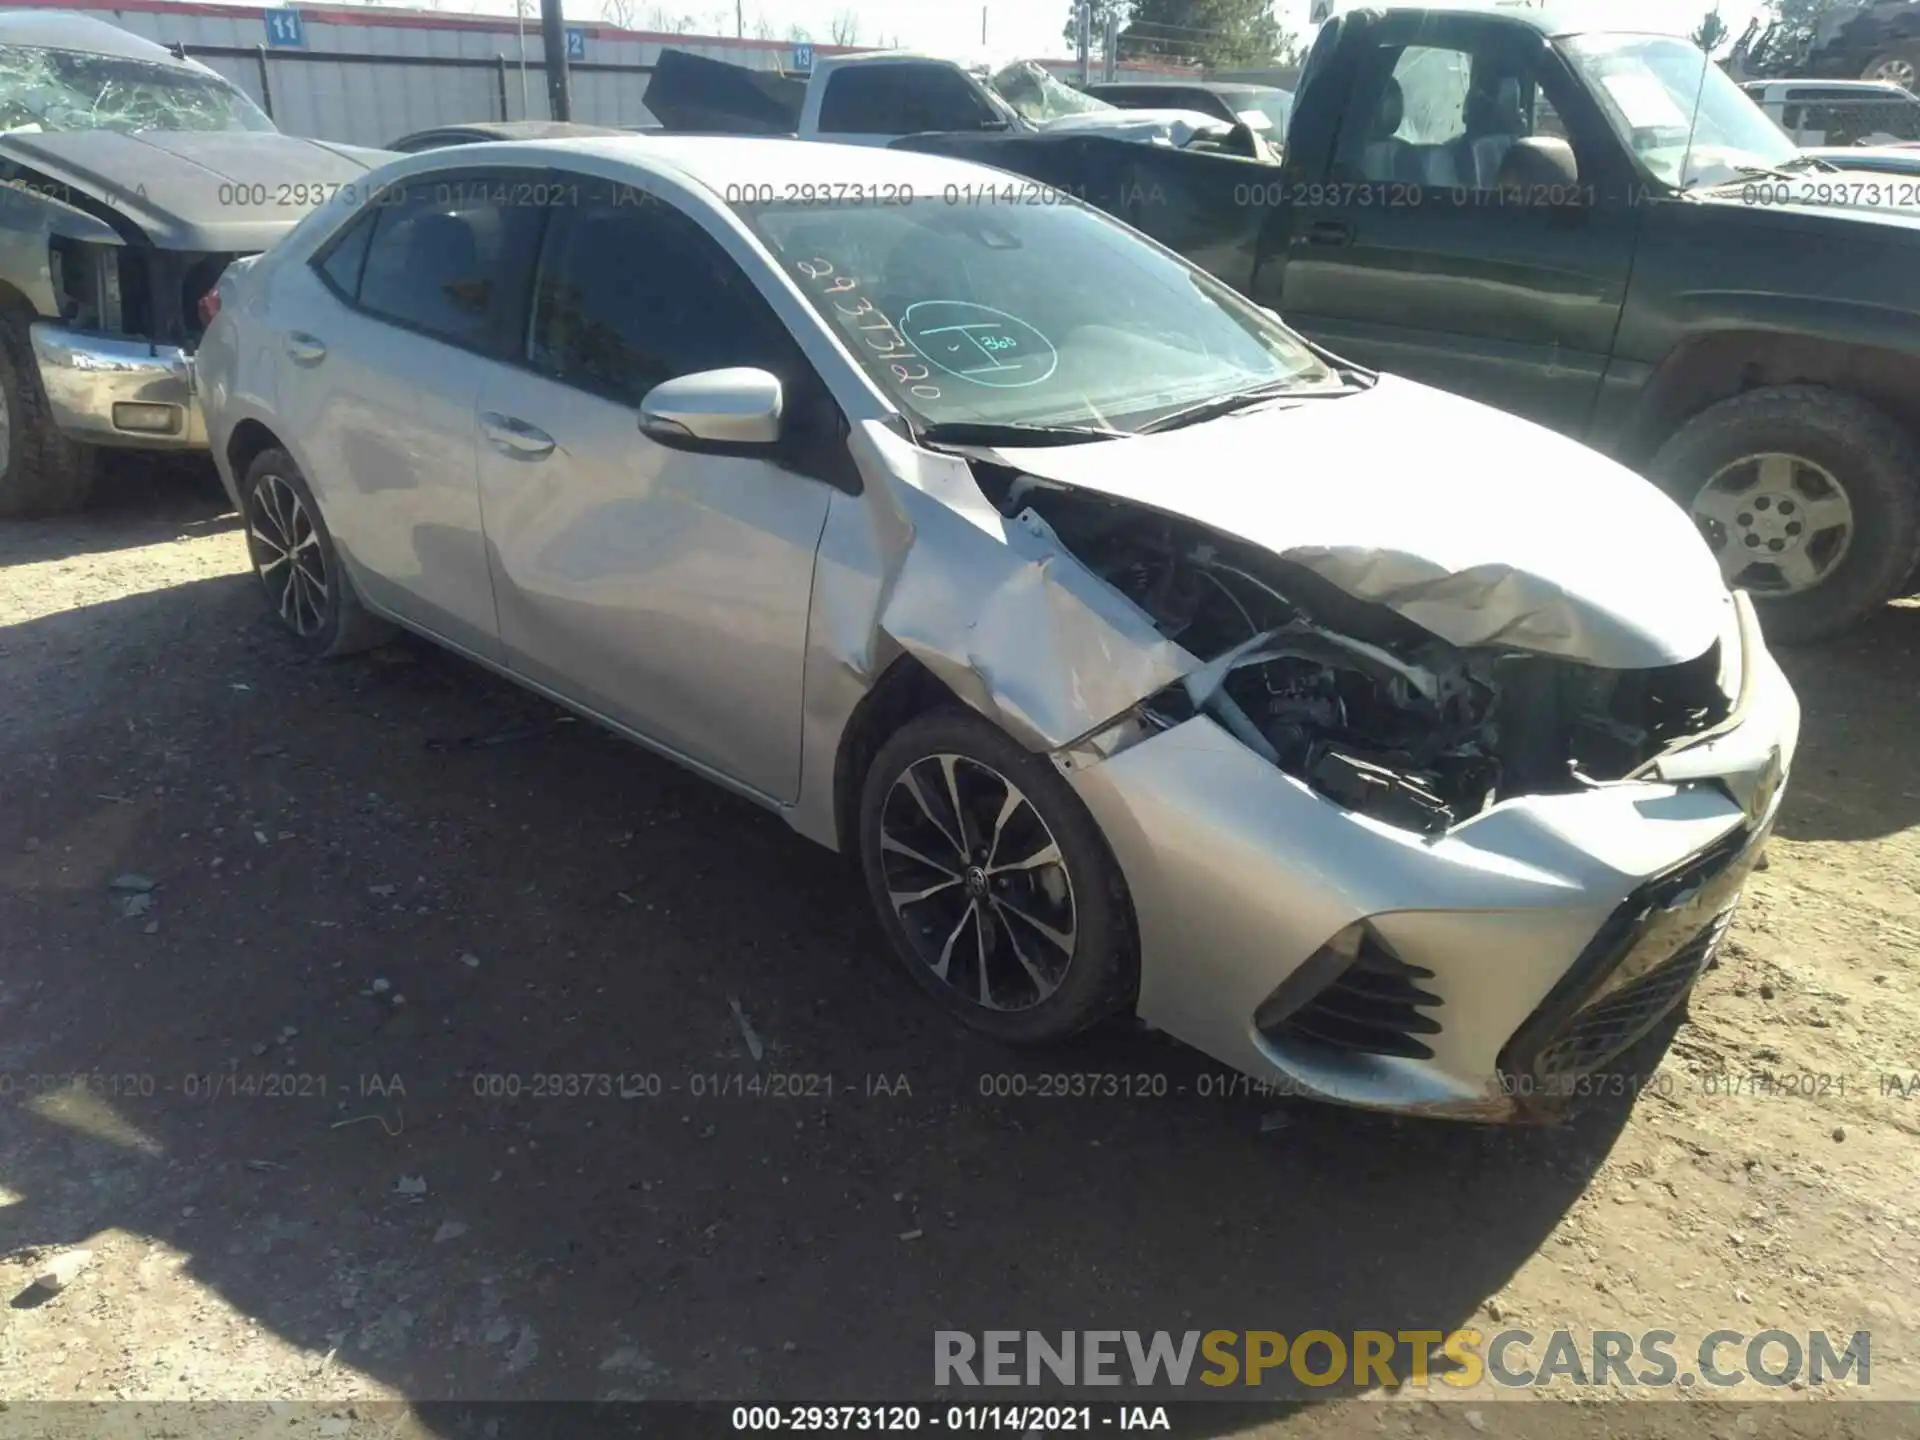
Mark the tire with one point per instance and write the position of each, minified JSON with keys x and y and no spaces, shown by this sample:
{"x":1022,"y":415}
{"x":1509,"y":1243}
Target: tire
{"x":1815,"y":441}
{"x":1082,"y":896}
{"x":293,"y":555}
{"x":1900,"y":65}
{"x":42,"y":472}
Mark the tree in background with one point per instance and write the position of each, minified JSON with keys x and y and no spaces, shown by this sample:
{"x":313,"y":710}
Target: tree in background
{"x":845,"y":29}
{"x":1712,"y":33}
{"x":1101,"y":10}
{"x":1211,"y":33}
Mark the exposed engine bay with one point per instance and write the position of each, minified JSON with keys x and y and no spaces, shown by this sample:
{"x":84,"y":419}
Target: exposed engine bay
{"x":1363,"y":705}
{"x":134,"y":289}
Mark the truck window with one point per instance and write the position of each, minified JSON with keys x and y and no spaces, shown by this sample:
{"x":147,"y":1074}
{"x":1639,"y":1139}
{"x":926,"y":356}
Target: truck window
{"x":903,"y":99}
{"x":1445,"y":117}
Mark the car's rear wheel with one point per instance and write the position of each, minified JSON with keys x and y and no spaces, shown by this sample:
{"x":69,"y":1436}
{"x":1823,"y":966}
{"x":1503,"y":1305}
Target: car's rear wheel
{"x":42,"y":472}
{"x":1808,"y":499}
{"x":294,"y":557}
{"x":994,"y":886}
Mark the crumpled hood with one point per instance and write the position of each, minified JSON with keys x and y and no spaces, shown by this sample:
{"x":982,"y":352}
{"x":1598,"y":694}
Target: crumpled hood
{"x":197,"y":190}
{"x":1484,"y":528}
{"x":1166,"y":127}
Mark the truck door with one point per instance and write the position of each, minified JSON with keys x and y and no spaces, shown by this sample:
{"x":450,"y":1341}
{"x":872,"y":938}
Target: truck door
{"x":1477,"y":225}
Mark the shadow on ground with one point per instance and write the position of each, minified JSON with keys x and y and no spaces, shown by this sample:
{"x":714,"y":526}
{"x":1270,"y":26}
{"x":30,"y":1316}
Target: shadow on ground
{"x":411,"y":936}
{"x":1859,"y":695}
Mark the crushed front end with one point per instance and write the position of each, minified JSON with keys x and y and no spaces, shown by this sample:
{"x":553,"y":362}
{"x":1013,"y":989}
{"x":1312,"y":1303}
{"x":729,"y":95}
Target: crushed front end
{"x":1375,"y":867}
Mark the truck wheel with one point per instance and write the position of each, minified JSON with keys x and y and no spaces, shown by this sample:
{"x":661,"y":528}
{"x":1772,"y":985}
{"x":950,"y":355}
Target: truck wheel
{"x":42,"y":472}
{"x":1807,"y":497}
{"x":1901,"y":66}
{"x":993,"y":884}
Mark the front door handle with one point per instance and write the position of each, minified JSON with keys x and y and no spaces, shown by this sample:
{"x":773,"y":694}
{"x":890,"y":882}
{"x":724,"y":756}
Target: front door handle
{"x":513,"y":436}
{"x":306,"y":349}
{"x":1329,"y":233}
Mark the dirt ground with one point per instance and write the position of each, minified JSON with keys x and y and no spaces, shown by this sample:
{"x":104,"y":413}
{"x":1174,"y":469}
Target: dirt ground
{"x":287,"y":1096}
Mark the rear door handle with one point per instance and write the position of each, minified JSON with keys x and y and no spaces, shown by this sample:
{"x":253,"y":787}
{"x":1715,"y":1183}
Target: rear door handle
{"x":1331,"y":233}
{"x":306,"y":349}
{"x":513,"y":436}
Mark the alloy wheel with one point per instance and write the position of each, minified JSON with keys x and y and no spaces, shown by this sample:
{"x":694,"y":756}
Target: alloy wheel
{"x":287,"y":555}
{"x":977,"y":882}
{"x":1778,"y":524}
{"x":1898,"y":70}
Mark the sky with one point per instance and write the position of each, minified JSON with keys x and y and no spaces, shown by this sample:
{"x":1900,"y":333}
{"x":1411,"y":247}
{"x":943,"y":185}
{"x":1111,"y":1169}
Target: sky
{"x":1030,"y":28}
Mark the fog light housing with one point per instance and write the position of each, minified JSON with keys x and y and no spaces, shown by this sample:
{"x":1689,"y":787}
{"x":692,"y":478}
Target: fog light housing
{"x":147,"y":419}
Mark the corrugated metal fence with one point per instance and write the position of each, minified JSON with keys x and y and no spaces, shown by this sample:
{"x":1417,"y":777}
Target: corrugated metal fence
{"x":369,"y":76}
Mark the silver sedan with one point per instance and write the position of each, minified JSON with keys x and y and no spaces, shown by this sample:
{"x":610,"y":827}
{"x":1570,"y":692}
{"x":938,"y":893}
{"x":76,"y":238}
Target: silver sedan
{"x":1388,"y":748}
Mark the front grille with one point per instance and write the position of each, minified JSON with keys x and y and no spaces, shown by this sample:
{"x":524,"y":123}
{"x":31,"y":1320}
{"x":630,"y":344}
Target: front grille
{"x":1605,"y":1029}
{"x":1372,"y":1007}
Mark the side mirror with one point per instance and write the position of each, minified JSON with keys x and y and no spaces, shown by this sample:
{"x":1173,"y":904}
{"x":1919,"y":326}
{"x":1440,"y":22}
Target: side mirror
{"x":715,"y":409}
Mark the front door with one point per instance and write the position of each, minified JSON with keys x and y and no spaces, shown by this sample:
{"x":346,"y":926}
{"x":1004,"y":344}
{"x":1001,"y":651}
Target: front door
{"x":664,"y":589}
{"x":1475,"y":232}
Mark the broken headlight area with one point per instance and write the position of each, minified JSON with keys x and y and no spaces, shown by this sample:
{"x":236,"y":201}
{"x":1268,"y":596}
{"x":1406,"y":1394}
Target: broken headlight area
{"x":1364,"y":706}
{"x":134,"y":290}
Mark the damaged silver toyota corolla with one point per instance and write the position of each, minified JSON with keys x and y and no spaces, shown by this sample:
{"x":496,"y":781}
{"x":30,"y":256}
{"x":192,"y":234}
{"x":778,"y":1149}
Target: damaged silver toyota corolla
{"x":1388,"y":748}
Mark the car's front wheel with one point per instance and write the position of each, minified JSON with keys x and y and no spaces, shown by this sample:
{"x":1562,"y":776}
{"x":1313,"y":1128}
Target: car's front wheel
{"x":1809,"y":499}
{"x":294,"y":557}
{"x":42,"y":472}
{"x":993,"y":883}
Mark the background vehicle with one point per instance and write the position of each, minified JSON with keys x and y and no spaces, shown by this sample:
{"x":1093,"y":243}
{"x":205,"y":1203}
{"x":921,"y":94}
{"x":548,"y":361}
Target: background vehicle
{"x":480,"y":131}
{"x":1876,"y":40}
{"x":875,"y":97}
{"x":128,"y":180}
{"x":1599,"y":231}
{"x":1840,"y":112}
{"x":1238,"y":104}
{"x":928,"y":525}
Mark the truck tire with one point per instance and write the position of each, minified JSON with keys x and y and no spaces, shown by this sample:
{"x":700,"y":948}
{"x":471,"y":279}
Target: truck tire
{"x":1809,"y":499}
{"x":42,"y":472}
{"x":1900,"y":65}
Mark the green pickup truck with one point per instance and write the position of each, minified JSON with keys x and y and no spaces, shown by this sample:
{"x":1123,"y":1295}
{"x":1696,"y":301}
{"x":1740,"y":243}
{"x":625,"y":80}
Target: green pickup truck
{"x":1597,"y":230}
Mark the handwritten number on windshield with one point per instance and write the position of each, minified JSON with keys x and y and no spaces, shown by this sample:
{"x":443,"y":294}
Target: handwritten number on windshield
{"x":891,"y":346}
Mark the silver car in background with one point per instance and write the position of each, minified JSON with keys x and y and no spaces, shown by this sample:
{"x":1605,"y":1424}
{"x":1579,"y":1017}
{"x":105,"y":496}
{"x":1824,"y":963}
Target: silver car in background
{"x":1391,"y":749}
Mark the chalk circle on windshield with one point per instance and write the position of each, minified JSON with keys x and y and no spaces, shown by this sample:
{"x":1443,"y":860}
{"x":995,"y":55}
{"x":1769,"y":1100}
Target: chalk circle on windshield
{"x":978,"y":344}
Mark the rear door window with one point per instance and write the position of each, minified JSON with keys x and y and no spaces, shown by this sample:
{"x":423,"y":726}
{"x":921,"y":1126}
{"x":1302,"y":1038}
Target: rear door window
{"x":451,"y":255}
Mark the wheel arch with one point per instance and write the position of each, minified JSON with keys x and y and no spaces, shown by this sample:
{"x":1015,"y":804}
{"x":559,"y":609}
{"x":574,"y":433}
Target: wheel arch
{"x":1704,"y":372}
{"x":905,"y":690}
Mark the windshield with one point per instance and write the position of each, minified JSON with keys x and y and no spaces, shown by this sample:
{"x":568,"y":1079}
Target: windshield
{"x":1033,"y":91}
{"x":55,"y":90}
{"x":1025,"y":314}
{"x":1689,"y":123}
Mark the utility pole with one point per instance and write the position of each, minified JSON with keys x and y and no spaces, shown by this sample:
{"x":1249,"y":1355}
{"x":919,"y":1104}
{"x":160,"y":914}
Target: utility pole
{"x":983,"y":25}
{"x":526,"y":104}
{"x":1113,"y":45}
{"x":553,"y":36}
{"x":1084,"y":28}
{"x":739,"y":19}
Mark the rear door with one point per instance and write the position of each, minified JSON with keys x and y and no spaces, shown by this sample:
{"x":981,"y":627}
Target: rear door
{"x":1431,"y":253}
{"x":663,"y":589}
{"x":384,"y":339}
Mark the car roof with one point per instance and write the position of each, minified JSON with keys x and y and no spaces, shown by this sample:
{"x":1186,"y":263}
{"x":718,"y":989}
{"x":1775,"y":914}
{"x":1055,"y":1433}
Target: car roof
{"x":69,"y":30}
{"x":719,"y":162}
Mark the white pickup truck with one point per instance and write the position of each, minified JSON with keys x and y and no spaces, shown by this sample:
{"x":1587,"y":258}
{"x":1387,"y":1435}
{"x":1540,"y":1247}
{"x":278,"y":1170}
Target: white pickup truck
{"x":877,"y":97}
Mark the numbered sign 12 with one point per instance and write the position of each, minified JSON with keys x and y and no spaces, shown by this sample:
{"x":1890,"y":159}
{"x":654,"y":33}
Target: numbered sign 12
{"x":576,"y":44}
{"x":284,"y":30}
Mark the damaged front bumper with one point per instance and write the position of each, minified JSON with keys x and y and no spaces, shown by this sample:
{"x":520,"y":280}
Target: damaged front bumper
{"x":109,"y":391}
{"x":1485,"y":973}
